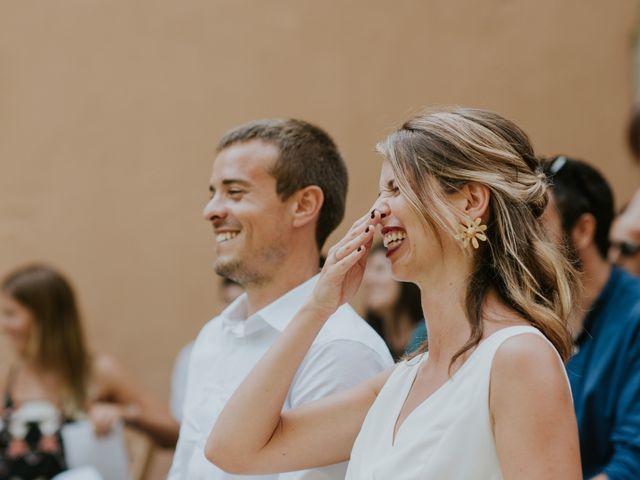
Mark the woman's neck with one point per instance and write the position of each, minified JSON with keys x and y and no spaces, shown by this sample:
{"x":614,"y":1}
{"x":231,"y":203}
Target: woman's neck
{"x":447,"y":325}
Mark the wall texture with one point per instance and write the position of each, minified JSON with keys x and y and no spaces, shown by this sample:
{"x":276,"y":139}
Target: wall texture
{"x":110,"y":111}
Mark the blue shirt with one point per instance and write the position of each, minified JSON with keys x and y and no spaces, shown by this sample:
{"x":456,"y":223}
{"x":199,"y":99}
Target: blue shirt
{"x":605,"y":381}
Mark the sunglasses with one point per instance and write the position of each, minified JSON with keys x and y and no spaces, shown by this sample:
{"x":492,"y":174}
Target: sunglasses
{"x":626,"y":249}
{"x":557,"y":165}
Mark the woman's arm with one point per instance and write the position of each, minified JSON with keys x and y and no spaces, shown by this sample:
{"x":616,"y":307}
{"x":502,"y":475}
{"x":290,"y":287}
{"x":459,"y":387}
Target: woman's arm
{"x":120,"y":396}
{"x":251,"y":434}
{"x":534,"y":421}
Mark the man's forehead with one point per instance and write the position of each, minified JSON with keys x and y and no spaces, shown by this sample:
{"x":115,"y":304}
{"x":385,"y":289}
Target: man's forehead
{"x":246,"y":160}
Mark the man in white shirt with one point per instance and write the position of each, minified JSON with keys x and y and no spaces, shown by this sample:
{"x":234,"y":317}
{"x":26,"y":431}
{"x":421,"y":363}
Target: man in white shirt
{"x":278,"y":189}
{"x":229,"y":291}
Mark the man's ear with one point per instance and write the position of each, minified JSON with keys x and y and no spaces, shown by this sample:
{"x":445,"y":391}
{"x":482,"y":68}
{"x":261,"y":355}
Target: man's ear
{"x":473,"y":200}
{"x":306,"y":204}
{"x":583,"y":232}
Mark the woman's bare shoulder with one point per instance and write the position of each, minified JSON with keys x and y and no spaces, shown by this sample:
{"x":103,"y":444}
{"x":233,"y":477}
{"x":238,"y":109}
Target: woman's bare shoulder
{"x":106,"y":370}
{"x":528,"y":363}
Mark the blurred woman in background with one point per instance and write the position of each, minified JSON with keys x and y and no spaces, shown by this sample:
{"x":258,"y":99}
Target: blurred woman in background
{"x":392,"y":308}
{"x":54,"y":378}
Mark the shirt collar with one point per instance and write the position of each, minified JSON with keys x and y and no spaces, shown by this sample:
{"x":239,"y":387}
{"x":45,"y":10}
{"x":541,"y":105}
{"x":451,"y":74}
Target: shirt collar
{"x":593,"y":315}
{"x":277,"y":314}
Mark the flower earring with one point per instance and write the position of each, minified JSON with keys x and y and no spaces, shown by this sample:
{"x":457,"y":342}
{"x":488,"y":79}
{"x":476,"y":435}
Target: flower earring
{"x":472,"y":231}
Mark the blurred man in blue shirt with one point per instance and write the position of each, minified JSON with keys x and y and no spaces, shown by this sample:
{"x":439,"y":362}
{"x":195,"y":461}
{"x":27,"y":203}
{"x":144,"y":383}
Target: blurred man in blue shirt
{"x":605,"y":370}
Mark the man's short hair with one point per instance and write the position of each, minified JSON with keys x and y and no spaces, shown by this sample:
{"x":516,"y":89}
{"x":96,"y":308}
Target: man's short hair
{"x":579,"y":188}
{"x":308,"y":156}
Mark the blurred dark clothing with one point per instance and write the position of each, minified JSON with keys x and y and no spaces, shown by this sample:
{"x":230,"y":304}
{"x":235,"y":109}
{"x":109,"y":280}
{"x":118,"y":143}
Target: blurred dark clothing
{"x":30,"y":441}
{"x":605,"y":381}
{"x":418,"y":337}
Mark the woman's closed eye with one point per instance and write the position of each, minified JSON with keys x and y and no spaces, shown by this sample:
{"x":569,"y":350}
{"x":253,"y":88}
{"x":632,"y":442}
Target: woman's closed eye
{"x":390,"y":191}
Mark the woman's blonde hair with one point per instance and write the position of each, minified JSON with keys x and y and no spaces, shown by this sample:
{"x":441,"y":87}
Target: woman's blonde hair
{"x":58,"y":344}
{"x":437,"y":153}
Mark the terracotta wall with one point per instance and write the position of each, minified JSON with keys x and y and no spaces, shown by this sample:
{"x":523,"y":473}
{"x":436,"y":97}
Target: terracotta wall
{"x":110,"y":111}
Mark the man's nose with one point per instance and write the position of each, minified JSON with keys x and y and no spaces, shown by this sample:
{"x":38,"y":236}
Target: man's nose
{"x":214,"y":209}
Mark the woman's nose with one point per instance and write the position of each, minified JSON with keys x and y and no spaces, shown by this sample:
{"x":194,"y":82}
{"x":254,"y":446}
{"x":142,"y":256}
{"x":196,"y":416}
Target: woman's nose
{"x":382,"y":207}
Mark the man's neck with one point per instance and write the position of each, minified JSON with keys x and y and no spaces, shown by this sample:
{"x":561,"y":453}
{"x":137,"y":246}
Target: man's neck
{"x":289,"y":275}
{"x":596,"y":273}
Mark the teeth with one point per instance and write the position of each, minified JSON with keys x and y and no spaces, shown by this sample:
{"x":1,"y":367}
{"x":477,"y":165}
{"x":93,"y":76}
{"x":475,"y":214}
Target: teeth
{"x":223,"y":237}
{"x":394,"y":238}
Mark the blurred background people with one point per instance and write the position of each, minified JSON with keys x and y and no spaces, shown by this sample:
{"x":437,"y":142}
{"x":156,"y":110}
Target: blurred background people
{"x":625,"y":231}
{"x":625,"y":237}
{"x":53,"y":378}
{"x":605,"y":370}
{"x":229,"y":291}
{"x":392,"y":308}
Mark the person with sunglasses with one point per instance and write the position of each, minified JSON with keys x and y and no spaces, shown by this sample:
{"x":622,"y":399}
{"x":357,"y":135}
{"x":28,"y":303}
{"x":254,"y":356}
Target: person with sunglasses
{"x":605,"y":369}
{"x":625,"y":238}
{"x":625,"y":231}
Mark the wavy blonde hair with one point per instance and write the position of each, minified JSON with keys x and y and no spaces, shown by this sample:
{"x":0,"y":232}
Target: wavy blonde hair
{"x":437,"y":153}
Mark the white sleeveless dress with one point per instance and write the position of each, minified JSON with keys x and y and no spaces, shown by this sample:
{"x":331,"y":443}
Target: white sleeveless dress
{"x":448,"y":436}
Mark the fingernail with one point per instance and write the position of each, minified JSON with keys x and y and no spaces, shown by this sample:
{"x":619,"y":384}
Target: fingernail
{"x":383,"y":215}
{"x":366,"y":230}
{"x":373,"y":213}
{"x":360,"y":248}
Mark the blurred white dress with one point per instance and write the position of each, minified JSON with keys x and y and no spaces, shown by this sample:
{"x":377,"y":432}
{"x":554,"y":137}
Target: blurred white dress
{"x":449,"y":436}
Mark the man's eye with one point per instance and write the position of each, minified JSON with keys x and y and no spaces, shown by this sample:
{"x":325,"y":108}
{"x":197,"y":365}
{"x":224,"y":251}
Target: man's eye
{"x":235,"y":192}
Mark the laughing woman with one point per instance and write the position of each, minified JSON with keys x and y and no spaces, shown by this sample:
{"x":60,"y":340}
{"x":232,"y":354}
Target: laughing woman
{"x":461,"y":194}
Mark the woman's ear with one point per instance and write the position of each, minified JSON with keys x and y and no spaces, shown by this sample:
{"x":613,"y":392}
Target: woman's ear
{"x":306,"y":205}
{"x":473,"y":200}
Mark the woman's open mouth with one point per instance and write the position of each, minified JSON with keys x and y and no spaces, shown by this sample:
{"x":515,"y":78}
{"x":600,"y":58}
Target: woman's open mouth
{"x":392,"y":238}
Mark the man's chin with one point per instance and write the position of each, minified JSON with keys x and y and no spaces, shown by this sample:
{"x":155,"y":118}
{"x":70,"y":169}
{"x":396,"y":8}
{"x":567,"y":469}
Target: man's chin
{"x":228,"y":268}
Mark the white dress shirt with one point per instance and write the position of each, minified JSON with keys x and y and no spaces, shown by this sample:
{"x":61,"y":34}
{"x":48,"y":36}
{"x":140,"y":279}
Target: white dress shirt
{"x":346,"y":352}
{"x":179,"y":381}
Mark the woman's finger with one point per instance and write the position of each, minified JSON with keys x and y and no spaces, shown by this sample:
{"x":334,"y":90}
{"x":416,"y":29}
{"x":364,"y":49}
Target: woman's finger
{"x":338,"y":250}
{"x":373,"y":216}
{"x":364,"y":237}
{"x":348,"y":262}
{"x":358,"y":225}
{"x":367,"y":221}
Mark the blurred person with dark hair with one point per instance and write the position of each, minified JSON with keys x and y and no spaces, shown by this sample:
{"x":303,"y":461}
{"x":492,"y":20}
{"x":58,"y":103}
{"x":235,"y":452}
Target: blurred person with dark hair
{"x":392,"y":308}
{"x":229,"y":291}
{"x":54,"y":378}
{"x":277,"y":190}
{"x":605,"y":370}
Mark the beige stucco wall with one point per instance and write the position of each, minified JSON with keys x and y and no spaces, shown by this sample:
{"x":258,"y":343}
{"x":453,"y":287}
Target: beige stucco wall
{"x":110,"y":111}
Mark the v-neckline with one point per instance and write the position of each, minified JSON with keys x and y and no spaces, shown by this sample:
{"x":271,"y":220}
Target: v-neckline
{"x":396,"y":428}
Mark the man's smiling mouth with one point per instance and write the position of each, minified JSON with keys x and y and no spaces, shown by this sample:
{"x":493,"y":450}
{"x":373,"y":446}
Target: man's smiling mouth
{"x":225,"y":236}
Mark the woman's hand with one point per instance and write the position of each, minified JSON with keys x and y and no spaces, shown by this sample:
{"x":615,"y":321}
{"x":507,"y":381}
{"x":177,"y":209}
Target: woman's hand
{"x":104,"y":415}
{"x":343,"y":270}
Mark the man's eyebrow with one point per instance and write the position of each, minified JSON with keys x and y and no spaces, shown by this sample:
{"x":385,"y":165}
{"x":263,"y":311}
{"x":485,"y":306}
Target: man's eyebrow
{"x":231,"y":181}
{"x":236,"y":181}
